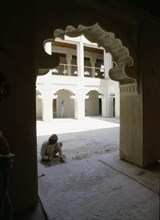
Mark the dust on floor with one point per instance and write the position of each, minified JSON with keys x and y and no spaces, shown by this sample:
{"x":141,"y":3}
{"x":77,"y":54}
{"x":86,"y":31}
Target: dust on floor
{"x":86,"y":187}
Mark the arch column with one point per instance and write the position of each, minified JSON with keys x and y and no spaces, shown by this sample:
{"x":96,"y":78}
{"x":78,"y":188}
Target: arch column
{"x":107,"y":64}
{"x":131,"y":125}
{"x":47,"y":113}
{"x":80,"y":103}
{"x":80,"y":57}
{"x":104,"y":107}
{"x":110,"y":106}
{"x":107,"y":107}
{"x":117,"y":103}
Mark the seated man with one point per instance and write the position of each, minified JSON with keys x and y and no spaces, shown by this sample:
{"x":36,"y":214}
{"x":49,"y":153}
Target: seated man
{"x":50,"y":148}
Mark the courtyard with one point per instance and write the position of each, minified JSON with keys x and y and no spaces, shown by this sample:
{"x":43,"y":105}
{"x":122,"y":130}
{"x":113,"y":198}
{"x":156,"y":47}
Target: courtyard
{"x":81,"y":138}
{"x":94,"y":183}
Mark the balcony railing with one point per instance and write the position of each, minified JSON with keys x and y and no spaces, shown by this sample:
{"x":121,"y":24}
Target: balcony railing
{"x":71,"y":70}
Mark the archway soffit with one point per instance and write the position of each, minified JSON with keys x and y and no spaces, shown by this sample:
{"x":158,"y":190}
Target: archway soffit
{"x":66,"y":89}
{"x":92,"y":90}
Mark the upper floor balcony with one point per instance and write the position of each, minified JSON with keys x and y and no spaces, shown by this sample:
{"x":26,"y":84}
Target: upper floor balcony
{"x":72,"y":70}
{"x":68,"y":75}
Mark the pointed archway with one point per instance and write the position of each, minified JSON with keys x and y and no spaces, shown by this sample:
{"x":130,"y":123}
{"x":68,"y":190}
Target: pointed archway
{"x":128,"y":82}
{"x":124,"y":72}
{"x":93,"y":104}
{"x":65,"y":96}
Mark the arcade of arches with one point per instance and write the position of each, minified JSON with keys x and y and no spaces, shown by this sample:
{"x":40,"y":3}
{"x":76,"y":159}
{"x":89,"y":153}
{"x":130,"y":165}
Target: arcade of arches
{"x":85,"y":86}
{"x":133,"y":41}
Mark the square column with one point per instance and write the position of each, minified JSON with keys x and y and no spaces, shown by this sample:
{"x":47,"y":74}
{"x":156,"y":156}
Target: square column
{"x":107,"y":64}
{"x":80,"y":102}
{"x":80,"y":57}
{"x":131,"y":121}
{"x":47,"y":112}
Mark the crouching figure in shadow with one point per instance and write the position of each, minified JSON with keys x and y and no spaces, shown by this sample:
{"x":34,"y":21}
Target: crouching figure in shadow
{"x":51,"y":148}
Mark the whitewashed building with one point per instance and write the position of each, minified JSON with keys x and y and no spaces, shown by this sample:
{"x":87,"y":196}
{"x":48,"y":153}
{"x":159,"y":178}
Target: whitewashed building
{"x":81,"y":80}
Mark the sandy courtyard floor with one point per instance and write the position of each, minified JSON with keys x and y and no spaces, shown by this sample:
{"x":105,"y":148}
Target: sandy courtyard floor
{"x":93,"y":184}
{"x":82,"y":138}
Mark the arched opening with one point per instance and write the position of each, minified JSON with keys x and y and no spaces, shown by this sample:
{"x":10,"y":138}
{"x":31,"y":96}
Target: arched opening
{"x":63,"y":104}
{"x":108,"y":65}
{"x":118,"y":71}
{"x":93,"y":104}
{"x":113,"y":65}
